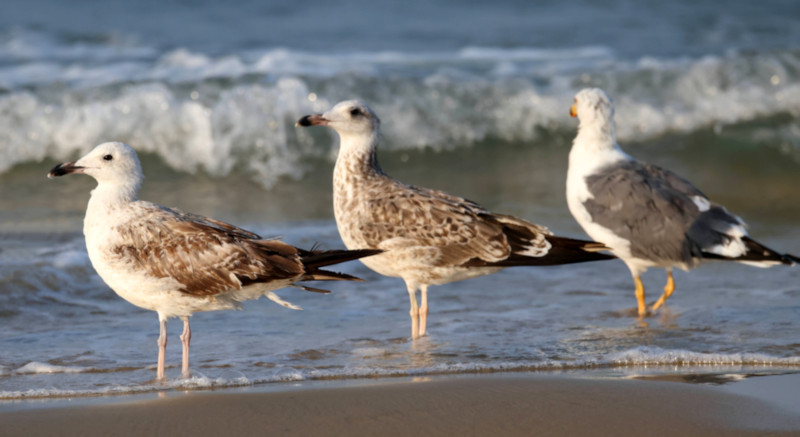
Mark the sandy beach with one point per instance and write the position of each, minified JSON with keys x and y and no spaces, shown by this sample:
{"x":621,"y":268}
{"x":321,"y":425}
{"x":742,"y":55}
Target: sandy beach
{"x":508,"y":404}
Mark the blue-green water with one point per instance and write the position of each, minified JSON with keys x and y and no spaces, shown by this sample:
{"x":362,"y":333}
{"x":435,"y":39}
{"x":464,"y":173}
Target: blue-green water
{"x":474,"y":99}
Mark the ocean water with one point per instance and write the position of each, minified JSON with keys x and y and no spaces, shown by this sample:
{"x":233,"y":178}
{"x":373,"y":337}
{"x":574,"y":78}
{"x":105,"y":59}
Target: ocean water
{"x":474,"y":99}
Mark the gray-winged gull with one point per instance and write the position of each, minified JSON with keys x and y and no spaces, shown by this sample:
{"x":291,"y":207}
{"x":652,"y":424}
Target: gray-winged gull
{"x":176,"y":263}
{"x":650,"y":216}
{"x":430,"y":237}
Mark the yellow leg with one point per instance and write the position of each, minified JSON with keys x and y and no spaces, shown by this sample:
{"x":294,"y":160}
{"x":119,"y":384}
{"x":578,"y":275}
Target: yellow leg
{"x":640,"y":296}
{"x":423,"y":309}
{"x":414,"y":311}
{"x":668,"y":290}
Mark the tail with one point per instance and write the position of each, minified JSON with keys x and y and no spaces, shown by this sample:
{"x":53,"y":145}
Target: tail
{"x":759,"y":255}
{"x":562,"y":251}
{"x":570,"y":251}
{"x":313,"y":260}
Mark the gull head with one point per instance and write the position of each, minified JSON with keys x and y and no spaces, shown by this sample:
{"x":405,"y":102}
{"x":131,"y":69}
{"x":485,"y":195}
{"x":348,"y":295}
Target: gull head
{"x":348,"y":118}
{"x":111,"y":163}
{"x":592,"y":107}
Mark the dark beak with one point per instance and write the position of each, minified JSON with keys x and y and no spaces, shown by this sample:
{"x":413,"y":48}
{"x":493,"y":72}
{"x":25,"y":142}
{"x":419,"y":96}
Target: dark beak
{"x":312,"y":120}
{"x":63,"y":169}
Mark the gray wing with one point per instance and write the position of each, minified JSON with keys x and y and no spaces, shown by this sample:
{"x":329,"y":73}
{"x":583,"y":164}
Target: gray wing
{"x":664,"y":217}
{"x":714,"y":227}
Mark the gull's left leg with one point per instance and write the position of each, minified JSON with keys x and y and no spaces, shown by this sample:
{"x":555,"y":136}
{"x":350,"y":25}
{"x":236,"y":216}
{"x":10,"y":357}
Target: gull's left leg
{"x":423,"y":309}
{"x":414,"y":310}
{"x":668,"y":290}
{"x":186,"y":338}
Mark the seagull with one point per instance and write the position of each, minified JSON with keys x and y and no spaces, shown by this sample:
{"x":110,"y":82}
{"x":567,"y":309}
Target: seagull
{"x":177,"y":263}
{"x":648,"y":215}
{"x":430,"y":237}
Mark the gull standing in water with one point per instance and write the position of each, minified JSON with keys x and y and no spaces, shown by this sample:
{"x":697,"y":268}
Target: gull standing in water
{"x":430,"y":237}
{"x":649,"y":216}
{"x":176,"y":263}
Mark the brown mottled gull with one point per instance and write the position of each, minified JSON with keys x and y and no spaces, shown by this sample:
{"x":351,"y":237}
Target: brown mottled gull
{"x":175,"y":263}
{"x":430,"y":237}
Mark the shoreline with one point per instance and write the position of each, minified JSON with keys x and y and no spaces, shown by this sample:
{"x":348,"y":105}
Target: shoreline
{"x":504,"y":404}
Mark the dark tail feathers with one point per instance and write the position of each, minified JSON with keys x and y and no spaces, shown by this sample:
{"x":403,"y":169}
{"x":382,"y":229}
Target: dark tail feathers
{"x":313,"y":260}
{"x":562,"y":251}
{"x":570,"y":251}
{"x":757,"y":252}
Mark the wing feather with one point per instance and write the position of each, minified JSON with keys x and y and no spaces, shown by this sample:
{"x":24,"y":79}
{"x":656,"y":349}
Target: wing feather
{"x":664,"y":216}
{"x":459,"y":229}
{"x":205,"y":256}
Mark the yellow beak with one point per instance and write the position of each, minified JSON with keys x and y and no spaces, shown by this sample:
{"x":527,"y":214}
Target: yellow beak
{"x":573,"y":110}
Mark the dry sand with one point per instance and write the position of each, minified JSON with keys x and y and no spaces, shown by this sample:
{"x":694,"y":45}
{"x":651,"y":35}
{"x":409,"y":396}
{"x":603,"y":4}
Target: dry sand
{"x":494,"y":405}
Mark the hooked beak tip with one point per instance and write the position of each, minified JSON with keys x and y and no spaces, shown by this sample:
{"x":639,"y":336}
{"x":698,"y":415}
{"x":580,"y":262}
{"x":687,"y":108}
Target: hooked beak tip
{"x":64,"y":169}
{"x":312,"y":120}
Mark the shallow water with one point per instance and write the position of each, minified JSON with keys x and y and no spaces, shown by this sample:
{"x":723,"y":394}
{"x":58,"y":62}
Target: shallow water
{"x":480,"y":114}
{"x":65,"y":333}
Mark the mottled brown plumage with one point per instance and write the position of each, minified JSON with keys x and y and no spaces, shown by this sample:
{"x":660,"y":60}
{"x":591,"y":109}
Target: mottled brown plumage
{"x":395,"y":214}
{"x":177,"y":263}
{"x":430,"y":237}
{"x":207,"y":257}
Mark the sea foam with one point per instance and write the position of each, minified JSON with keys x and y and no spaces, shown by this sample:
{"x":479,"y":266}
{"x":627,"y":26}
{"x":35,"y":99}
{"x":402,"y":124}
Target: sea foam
{"x":35,"y":367}
{"x":214,"y":114}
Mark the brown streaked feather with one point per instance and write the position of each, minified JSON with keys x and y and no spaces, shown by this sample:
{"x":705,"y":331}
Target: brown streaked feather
{"x":206,"y":257}
{"x":460,"y":229}
{"x":212,"y":223}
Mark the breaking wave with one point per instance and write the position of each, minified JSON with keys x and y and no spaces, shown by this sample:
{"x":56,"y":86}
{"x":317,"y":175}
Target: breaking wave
{"x":236,"y":112}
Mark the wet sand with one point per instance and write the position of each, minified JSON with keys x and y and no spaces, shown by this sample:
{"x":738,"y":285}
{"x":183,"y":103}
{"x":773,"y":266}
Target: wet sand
{"x":507,"y":405}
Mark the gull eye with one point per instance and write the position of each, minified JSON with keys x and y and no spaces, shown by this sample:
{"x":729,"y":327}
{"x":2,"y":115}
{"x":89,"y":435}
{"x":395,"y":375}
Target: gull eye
{"x":108,"y":157}
{"x":355,"y":112}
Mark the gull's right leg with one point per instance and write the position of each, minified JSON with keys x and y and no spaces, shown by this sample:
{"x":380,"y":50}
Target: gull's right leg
{"x":186,"y":338}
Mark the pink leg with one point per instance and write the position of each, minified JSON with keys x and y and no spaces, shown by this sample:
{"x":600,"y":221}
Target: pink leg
{"x":162,"y":348}
{"x":423,"y":309}
{"x":414,"y":311}
{"x":186,"y":338}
